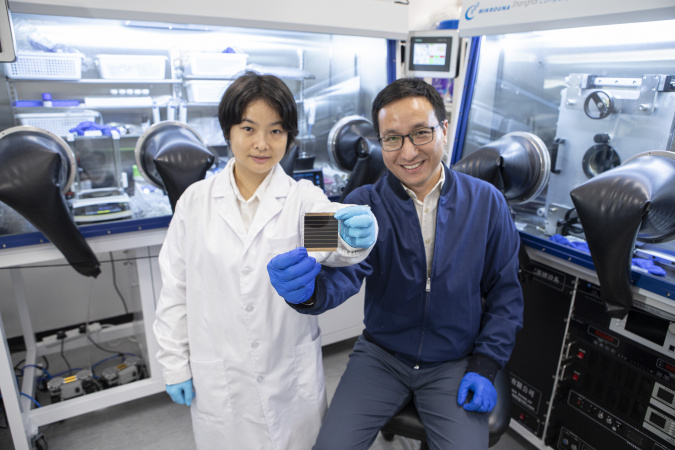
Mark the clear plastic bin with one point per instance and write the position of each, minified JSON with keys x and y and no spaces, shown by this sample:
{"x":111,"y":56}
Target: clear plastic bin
{"x":45,"y":66}
{"x":206,"y":91}
{"x":58,"y":123}
{"x":209,"y":64}
{"x":132,"y":67}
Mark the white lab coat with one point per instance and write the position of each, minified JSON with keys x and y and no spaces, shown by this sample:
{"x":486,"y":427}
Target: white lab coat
{"x":255,"y":362}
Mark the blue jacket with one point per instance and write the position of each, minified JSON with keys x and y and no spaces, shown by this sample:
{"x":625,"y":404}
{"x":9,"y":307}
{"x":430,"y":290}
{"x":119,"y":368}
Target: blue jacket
{"x":472,"y":304}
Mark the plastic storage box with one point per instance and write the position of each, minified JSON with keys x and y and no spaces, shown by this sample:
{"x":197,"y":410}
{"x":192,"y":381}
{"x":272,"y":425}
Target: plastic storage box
{"x":208,"y":64}
{"x":132,"y":67}
{"x":206,"y":91}
{"x":58,"y":123}
{"x":45,"y":66}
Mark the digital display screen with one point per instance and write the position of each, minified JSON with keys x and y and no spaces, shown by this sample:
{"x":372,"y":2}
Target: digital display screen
{"x":7,"y":45}
{"x":315,"y":176}
{"x":665,"y":365}
{"x":647,"y":326}
{"x":668,"y":397}
{"x":657,"y":420}
{"x":430,"y":53}
{"x":604,"y":336}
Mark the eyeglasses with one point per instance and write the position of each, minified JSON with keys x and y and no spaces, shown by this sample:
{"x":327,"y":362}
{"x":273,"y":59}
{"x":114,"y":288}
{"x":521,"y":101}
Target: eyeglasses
{"x":421,"y":136}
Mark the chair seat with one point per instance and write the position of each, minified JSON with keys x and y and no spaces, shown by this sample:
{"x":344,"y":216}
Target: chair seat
{"x":407,"y":423}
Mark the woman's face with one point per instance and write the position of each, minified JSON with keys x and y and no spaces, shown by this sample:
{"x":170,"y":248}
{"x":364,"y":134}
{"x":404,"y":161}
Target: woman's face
{"x":258,"y":142}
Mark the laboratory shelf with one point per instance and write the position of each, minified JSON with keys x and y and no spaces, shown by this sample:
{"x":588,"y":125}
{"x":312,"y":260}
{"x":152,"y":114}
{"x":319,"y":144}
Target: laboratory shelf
{"x":645,"y":284}
{"x":88,"y":231}
{"x":282,"y":76}
{"x":81,"y":107}
{"x":100,"y":81}
{"x":22,"y":416}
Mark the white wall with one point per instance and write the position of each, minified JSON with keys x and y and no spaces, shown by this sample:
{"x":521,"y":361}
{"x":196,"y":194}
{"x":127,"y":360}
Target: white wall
{"x":355,"y":17}
{"x":425,"y":14}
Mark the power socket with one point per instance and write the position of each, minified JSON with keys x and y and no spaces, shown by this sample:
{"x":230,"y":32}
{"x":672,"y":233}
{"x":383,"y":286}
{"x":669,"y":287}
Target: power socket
{"x":51,"y":339}
{"x":72,"y":333}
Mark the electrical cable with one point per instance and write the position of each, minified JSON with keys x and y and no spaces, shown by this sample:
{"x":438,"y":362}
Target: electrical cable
{"x":44,"y":369}
{"x":63,"y":340}
{"x":65,"y":372}
{"x":34,"y":401}
{"x":99,"y":346}
{"x":112,"y":263}
{"x":31,"y":365}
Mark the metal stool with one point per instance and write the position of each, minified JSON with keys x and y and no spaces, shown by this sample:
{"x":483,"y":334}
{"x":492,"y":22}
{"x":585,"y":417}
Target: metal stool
{"x":407,"y":423}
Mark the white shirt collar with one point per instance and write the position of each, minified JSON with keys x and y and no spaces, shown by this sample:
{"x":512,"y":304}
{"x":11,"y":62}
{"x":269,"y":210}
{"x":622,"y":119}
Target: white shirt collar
{"x":438,"y":186}
{"x":259,"y":192}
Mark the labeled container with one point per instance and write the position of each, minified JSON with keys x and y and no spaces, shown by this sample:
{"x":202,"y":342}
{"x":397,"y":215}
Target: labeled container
{"x":210,"y":64}
{"x":45,"y":66}
{"x":206,"y":91}
{"x":47,"y":99}
{"x":132,"y":67}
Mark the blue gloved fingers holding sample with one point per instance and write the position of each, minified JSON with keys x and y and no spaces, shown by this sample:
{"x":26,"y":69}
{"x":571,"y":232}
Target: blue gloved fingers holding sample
{"x":357,"y":226}
{"x":649,"y":266}
{"x":181,"y":393}
{"x":292,"y":275}
{"x":484,"y":393}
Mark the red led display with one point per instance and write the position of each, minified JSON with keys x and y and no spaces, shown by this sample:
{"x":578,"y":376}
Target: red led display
{"x":604,"y":336}
{"x":669,"y":367}
{"x":666,"y":365}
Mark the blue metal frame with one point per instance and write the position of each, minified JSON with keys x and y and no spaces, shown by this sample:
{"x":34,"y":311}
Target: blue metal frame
{"x":100,"y":229}
{"x":463,"y":114}
{"x":391,"y":60}
{"x":652,"y":283}
{"x":561,"y":251}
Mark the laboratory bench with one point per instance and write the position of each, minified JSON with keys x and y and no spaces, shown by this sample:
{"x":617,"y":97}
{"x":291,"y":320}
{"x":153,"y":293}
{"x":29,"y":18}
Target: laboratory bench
{"x":140,"y":241}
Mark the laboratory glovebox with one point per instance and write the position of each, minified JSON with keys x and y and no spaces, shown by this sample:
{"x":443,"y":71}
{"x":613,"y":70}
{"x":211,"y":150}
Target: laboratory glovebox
{"x":587,"y":370}
{"x":170,"y":74}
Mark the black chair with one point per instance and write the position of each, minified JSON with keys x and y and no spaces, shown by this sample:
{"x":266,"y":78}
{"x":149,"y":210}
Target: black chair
{"x":407,"y":423}
{"x":288,"y":160}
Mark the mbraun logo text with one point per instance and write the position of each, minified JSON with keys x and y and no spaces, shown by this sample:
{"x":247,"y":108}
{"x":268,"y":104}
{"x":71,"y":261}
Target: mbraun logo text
{"x":475,"y":9}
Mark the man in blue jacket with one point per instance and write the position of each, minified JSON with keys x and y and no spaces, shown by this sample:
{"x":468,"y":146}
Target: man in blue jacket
{"x":443,"y":303}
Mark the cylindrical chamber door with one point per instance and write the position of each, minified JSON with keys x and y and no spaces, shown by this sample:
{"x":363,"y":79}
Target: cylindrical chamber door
{"x":36,"y":169}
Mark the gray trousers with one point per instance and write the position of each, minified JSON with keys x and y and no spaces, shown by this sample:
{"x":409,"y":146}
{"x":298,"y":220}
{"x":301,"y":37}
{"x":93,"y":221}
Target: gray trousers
{"x":376,"y":386}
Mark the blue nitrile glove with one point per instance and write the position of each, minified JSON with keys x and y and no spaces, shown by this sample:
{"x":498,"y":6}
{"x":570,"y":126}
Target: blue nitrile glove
{"x":649,"y":266}
{"x":357,"y":227}
{"x":484,"y":393}
{"x":560,"y":239}
{"x":89,"y":126}
{"x":292,"y":275}
{"x":181,"y":393}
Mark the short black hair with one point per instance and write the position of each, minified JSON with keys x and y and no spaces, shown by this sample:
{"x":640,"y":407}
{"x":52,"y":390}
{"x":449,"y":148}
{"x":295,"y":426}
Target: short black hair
{"x":404,"y":88}
{"x":252,"y":86}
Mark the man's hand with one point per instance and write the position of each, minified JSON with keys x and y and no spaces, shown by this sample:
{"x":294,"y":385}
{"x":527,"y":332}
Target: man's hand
{"x":292,"y":275}
{"x":357,"y":226}
{"x":484,"y":393}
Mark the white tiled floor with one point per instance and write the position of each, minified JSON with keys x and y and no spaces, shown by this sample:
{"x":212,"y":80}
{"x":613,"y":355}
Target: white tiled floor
{"x":155,"y":422}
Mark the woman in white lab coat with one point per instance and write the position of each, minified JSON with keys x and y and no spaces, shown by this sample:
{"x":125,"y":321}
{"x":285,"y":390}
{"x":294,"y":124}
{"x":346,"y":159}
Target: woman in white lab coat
{"x":253,"y":363}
